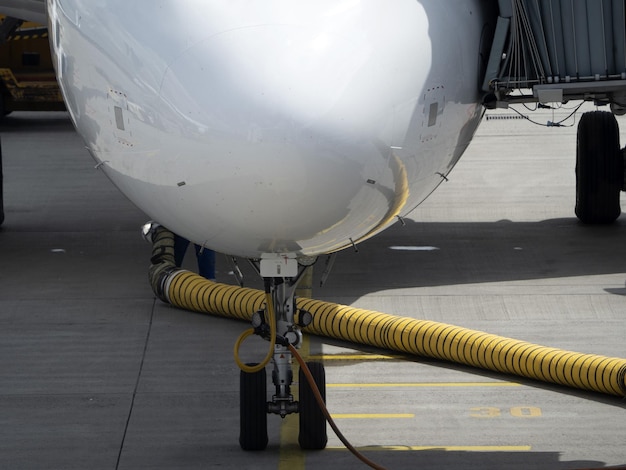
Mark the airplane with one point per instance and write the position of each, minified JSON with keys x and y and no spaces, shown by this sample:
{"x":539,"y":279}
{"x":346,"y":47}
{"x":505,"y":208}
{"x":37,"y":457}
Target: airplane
{"x":282,"y":131}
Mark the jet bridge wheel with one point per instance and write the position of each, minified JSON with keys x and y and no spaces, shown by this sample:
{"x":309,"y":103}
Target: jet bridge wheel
{"x":312,"y":420}
{"x":253,"y":410}
{"x":599,"y":169}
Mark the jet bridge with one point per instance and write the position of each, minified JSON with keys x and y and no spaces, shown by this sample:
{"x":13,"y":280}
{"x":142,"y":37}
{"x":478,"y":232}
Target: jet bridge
{"x":554,"y":51}
{"x":558,"y":50}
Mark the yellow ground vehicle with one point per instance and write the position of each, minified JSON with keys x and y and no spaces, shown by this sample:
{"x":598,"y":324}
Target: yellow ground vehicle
{"x":27,"y":79}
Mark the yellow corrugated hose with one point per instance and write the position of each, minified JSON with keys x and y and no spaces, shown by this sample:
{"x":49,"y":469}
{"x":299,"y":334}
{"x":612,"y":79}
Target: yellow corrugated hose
{"x":189,"y":291}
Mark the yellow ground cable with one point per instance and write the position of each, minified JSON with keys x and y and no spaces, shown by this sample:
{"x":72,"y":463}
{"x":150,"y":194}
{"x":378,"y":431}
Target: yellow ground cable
{"x":270,"y":352}
{"x":320,"y":401}
{"x":410,"y":336}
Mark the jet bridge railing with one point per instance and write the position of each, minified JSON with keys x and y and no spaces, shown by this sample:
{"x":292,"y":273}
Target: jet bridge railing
{"x":560,"y":50}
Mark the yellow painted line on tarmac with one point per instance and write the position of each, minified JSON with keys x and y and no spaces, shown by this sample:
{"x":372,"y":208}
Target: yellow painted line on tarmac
{"x":423,"y":384}
{"x":373,"y":415}
{"x":291,"y":456}
{"x":356,"y":357}
{"x":439,"y":448}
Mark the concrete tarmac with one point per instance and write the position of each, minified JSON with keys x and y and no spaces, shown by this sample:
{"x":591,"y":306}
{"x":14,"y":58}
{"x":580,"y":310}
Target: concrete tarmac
{"x":97,"y":374}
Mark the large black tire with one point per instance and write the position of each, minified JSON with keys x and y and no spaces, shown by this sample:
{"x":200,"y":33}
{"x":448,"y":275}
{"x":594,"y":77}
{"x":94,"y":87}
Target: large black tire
{"x":3,"y":97}
{"x":1,"y":189}
{"x":313,"y":434}
{"x":253,"y":410}
{"x":599,"y":169}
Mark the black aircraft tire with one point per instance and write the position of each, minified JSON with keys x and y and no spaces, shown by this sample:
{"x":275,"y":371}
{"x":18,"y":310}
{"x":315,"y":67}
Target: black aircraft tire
{"x":599,"y":169}
{"x":253,"y":410}
{"x":312,"y":420}
{"x":1,"y":189}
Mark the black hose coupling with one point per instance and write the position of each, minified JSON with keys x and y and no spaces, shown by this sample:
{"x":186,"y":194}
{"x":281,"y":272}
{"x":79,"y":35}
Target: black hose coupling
{"x":261,"y":327}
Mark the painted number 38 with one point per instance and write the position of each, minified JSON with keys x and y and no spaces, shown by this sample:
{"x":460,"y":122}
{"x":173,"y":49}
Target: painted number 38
{"x":516,"y":412}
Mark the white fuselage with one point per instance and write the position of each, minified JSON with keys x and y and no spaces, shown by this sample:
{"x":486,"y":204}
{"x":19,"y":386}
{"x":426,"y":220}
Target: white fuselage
{"x":275,"y":126}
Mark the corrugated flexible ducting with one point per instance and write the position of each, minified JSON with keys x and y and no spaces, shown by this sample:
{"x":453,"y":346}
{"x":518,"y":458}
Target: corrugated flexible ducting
{"x":190,"y":291}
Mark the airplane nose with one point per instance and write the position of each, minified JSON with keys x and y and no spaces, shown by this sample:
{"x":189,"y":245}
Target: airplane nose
{"x":291,"y":128}
{"x":253,"y":79}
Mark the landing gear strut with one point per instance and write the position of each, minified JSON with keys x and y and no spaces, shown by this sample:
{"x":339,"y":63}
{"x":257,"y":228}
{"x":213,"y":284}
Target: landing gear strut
{"x":278,"y":321}
{"x":599,"y":169}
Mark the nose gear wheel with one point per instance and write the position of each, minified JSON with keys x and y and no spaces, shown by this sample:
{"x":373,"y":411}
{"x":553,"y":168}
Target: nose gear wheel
{"x":253,"y":410}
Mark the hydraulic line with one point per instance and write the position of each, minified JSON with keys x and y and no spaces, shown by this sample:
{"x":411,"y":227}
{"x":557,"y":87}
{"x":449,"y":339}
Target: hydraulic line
{"x":272,"y":339}
{"x":327,"y":415}
{"x":190,"y":291}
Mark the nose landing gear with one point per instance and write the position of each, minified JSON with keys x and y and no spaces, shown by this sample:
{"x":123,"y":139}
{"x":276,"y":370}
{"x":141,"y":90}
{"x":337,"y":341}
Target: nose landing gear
{"x":277,"y":323}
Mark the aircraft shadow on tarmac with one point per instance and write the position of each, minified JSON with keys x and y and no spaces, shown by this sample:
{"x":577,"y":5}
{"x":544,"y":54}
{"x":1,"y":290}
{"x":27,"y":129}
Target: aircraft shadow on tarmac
{"x":436,"y":459}
{"x":454,"y":253}
{"x":448,"y":254}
